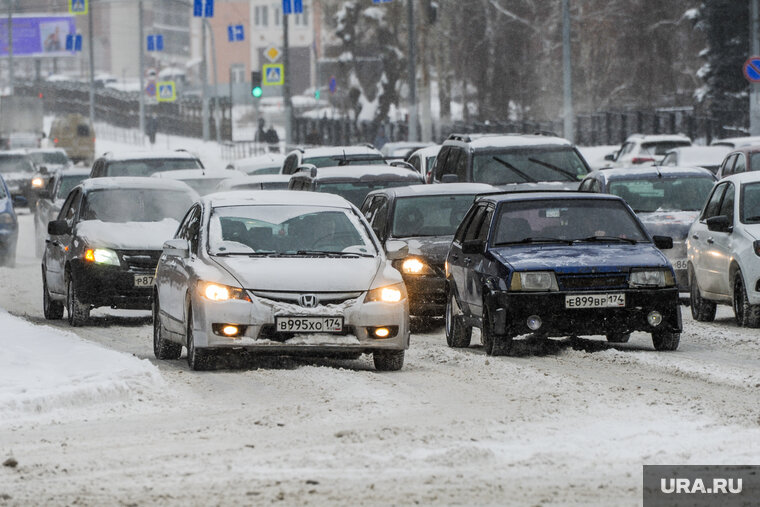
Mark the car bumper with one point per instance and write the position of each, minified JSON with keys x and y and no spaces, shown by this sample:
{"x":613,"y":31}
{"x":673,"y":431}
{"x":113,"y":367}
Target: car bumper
{"x":8,"y":239}
{"x":100,"y":285}
{"x":258,"y":319}
{"x":427,"y":295}
{"x":560,"y":321}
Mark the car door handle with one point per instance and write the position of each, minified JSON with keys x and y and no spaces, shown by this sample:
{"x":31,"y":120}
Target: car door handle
{"x":695,"y":236}
{"x":710,"y":241}
{"x":467,"y":260}
{"x":454,"y":257}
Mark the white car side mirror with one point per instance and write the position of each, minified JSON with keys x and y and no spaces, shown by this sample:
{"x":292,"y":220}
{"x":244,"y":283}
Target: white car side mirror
{"x":177,"y":248}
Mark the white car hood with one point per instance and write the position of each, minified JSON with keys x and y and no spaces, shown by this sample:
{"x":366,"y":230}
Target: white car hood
{"x":128,"y":235}
{"x":299,"y":274}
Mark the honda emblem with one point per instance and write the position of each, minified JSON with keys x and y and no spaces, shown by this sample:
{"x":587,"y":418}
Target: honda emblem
{"x":308,"y":300}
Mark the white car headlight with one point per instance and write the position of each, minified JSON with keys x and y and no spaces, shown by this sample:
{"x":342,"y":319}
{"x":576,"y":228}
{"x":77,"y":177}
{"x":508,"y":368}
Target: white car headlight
{"x":102,"y":256}
{"x":415,"y":266}
{"x":388,"y":294}
{"x":37,"y":182}
{"x":533,"y":281}
{"x":219,"y":292}
{"x":651,"y":278}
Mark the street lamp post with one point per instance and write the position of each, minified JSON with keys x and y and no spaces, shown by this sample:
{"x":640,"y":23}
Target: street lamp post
{"x":11,"y":77}
{"x":412,"y":74}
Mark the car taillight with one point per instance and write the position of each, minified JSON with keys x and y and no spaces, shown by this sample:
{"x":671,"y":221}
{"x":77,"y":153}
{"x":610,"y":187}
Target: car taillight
{"x":641,"y":160}
{"x":55,"y":141}
{"x":756,"y":246}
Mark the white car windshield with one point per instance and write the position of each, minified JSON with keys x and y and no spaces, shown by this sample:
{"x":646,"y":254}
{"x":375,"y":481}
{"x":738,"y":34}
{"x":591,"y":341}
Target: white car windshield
{"x":278,"y":230}
{"x":135,"y":205}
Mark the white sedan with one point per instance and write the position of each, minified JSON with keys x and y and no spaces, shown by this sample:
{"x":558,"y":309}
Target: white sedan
{"x":283,"y":273}
{"x":723,"y":250}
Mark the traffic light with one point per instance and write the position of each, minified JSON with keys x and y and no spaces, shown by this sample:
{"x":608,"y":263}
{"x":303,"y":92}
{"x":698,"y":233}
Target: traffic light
{"x":256,"y":90}
{"x":316,"y":93}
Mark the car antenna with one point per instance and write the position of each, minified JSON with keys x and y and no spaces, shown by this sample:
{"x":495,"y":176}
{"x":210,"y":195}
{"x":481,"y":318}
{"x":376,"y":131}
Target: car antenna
{"x":659,"y":174}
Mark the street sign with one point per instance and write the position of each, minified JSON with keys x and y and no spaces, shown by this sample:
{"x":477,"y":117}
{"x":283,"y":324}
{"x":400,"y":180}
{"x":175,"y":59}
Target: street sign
{"x":74,"y":42}
{"x":167,"y":91}
{"x":150,"y":89}
{"x":752,"y":69}
{"x":333,"y":84}
{"x":235,"y":33}
{"x":203,"y":8}
{"x":274,"y":74}
{"x":155,"y":42}
{"x":292,"y":6}
{"x":77,"y":7}
{"x":380,"y":1}
{"x":272,"y":54}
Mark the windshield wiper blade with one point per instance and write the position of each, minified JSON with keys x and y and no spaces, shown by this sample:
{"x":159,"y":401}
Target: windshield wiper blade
{"x":567,"y":173}
{"x":752,"y":219}
{"x":615,"y":239}
{"x":325,"y":252}
{"x":247,"y":254}
{"x":515,"y":170}
{"x":535,"y":240}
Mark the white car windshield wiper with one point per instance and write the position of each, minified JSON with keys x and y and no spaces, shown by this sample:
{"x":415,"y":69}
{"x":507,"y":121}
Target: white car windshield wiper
{"x":614,"y":239}
{"x":247,"y":254}
{"x":328,"y":253}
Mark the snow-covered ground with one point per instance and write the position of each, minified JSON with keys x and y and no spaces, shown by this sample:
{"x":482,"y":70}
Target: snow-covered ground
{"x":566,"y":423}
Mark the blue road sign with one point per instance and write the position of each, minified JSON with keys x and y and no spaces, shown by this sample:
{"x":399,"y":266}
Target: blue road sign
{"x":209,"y":11}
{"x":78,"y":42}
{"x":151,"y":43}
{"x":380,"y":1}
{"x":203,"y":8}
{"x":78,"y":6}
{"x":235,"y":33}
{"x":74,"y":42}
{"x":752,"y":69}
{"x":298,"y":6}
{"x":292,"y":6}
{"x":167,"y":91}
{"x":333,"y":84}
{"x":198,"y":8}
{"x":159,"y":42}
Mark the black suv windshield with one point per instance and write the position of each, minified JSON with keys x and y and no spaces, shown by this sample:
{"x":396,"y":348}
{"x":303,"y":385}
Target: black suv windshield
{"x":356,"y":191}
{"x":429,"y":215}
{"x":684,"y":193}
{"x":15,"y":164}
{"x":149,"y":166}
{"x":49,"y":157}
{"x":567,"y":220}
{"x":135,"y":205}
{"x":528,"y":165}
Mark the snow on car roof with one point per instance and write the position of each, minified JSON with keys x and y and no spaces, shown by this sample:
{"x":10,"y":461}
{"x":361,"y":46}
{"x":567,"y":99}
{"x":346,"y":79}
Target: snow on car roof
{"x":276,"y":197}
{"x":736,"y":142}
{"x":258,"y":178}
{"x":150,"y":155}
{"x":265,"y":160}
{"x":133,"y":183}
{"x":75,"y":171}
{"x":437,"y":189}
{"x":553,"y":195}
{"x":357,"y":172}
{"x":655,"y":138}
{"x":742,"y":178}
{"x":652,"y":171}
{"x":430,"y":151}
{"x":516,"y":141}
{"x":189,"y":174}
{"x":332,"y":151}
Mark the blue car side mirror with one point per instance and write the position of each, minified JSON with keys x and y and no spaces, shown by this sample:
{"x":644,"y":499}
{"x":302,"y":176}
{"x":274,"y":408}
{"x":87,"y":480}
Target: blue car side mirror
{"x":19,"y":200}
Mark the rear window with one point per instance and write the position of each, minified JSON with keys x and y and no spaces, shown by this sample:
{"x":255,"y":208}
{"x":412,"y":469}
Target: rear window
{"x":662,"y":147}
{"x":527,"y":165}
{"x":68,"y":183}
{"x":686,"y":193}
{"x":15,"y":164}
{"x":149,"y":166}
{"x":83,"y":130}
{"x":356,"y":191}
{"x":338,"y":160}
{"x":49,"y":157}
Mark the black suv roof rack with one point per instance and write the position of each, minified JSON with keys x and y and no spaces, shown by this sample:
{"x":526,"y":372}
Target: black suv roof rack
{"x":547,"y":133}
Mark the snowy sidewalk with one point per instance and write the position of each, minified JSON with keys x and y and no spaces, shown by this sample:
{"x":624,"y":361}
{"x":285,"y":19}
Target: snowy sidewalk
{"x":43,"y":369}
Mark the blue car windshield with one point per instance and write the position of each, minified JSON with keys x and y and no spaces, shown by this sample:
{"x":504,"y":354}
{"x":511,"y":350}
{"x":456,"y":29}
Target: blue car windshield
{"x":566,"y":221}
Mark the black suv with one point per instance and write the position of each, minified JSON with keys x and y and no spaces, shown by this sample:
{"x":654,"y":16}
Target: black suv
{"x":509,"y":159}
{"x":104,"y":247}
{"x":143,"y":163}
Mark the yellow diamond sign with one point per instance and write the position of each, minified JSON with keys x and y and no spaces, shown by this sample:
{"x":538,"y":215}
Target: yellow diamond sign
{"x":272,"y":54}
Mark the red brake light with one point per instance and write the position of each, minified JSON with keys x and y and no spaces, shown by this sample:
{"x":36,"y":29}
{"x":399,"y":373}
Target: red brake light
{"x":40,"y":94}
{"x":641,"y":160}
{"x":55,"y":140}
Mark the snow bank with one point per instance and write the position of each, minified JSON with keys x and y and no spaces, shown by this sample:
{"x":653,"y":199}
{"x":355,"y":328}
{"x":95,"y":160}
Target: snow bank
{"x":44,"y":369}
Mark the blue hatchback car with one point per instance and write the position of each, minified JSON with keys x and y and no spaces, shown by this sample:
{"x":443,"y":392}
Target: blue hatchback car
{"x":8,"y":227}
{"x":558,"y":264}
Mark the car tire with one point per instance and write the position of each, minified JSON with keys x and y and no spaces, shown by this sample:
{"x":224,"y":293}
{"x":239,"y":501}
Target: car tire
{"x":702,"y":310}
{"x":665,"y":340}
{"x":53,"y":310}
{"x":493,"y":344}
{"x":78,"y":311}
{"x":388,"y":360}
{"x":198,"y":360}
{"x":457,"y":334}
{"x":162,"y":348}
{"x":618,"y":337}
{"x":747,"y":315}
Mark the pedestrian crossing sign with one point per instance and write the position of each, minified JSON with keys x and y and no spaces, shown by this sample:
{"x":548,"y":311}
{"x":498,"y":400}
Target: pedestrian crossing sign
{"x":167,"y":91}
{"x":274,"y":74}
{"x":78,"y":6}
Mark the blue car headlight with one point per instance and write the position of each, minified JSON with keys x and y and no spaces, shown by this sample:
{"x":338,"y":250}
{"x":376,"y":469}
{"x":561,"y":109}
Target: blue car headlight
{"x":533,"y":281}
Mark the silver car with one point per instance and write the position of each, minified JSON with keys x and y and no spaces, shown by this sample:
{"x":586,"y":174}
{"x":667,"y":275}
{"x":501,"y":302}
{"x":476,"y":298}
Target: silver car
{"x":279,"y":272}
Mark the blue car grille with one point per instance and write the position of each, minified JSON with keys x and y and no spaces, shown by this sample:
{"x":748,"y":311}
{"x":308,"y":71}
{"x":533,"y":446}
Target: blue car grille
{"x":593,"y":282}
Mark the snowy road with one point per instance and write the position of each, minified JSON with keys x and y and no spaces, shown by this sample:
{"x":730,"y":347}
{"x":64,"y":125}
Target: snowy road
{"x":565,"y":423}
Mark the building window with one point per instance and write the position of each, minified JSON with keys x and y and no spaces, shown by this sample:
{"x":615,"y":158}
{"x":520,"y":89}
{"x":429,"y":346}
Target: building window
{"x":302,"y":19}
{"x":237,"y":73}
{"x":261,"y":15}
{"x":276,"y":11}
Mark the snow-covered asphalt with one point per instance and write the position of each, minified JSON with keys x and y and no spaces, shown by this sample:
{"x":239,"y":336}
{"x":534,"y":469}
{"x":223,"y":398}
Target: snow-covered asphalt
{"x":564,"y":423}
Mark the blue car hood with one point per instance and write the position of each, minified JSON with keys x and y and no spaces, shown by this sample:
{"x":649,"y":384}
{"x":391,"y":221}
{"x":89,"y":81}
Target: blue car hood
{"x":580,"y":257}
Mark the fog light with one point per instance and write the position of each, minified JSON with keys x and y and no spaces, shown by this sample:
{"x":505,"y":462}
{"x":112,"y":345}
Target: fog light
{"x":230,"y":330}
{"x":382,"y":332}
{"x":534,"y":322}
{"x":654,"y":318}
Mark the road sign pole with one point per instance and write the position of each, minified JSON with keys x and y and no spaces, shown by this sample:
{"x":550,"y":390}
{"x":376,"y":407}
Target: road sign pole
{"x":204,"y":79}
{"x":11,"y":77}
{"x":286,"y":84}
{"x":754,"y":44}
{"x":141,"y":70}
{"x":567,"y":72}
{"x":217,"y":115}
{"x":91,"y":48}
{"x":412,"y":73}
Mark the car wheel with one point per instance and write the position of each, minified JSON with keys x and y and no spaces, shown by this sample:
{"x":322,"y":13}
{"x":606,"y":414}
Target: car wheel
{"x":702,"y":310}
{"x":747,"y":315}
{"x":78,"y":311}
{"x":665,"y":340}
{"x":457,"y":334}
{"x":618,"y":337}
{"x":198,"y":360}
{"x":162,"y":348}
{"x":388,"y":360}
{"x":53,"y":310}
{"x":494,"y":345}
